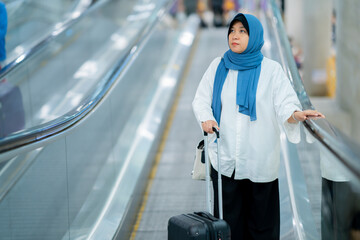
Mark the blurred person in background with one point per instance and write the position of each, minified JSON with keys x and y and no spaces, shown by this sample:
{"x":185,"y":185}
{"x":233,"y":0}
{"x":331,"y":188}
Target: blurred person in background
{"x":3,"y":30}
{"x":229,"y":10}
{"x":12,"y":116}
{"x":190,"y":6}
{"x":202,"y":9}
{"x":217,"y":8}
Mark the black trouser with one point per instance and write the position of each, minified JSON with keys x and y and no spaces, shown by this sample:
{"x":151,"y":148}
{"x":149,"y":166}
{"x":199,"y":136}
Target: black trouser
{"x":251,"y":209}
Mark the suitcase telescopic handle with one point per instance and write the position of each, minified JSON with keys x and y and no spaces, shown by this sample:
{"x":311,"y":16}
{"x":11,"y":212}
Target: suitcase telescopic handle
{"x":216,"y":132}
{"x":207,"y":164}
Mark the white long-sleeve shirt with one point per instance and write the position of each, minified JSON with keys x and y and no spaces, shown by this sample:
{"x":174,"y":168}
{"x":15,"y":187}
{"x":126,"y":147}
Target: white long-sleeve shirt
{"x":252,"y":148}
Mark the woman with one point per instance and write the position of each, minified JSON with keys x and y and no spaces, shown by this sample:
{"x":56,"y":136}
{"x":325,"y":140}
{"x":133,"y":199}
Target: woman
{"x":249,"y":98}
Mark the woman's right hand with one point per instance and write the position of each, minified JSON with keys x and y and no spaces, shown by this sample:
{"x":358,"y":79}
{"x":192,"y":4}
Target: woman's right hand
{"x":208,"y":125}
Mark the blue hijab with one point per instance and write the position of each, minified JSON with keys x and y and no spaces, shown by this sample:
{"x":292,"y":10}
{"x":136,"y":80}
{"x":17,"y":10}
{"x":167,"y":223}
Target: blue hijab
{"x":248,"y":65}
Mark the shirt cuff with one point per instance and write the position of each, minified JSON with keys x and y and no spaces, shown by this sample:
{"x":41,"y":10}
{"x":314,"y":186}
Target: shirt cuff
{"x":292,"y":130}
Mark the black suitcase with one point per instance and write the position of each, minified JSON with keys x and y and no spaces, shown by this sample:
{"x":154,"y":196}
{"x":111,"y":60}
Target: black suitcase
{"x":201,"y":225}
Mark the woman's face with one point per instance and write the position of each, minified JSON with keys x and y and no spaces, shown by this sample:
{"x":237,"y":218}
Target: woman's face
{"x":238,"y":38}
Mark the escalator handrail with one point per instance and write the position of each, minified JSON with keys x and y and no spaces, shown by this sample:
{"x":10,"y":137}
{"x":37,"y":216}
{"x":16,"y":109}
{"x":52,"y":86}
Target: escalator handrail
{"x":57,"y":126}
{"x":58,"y":29}
{"x":343,"y":148}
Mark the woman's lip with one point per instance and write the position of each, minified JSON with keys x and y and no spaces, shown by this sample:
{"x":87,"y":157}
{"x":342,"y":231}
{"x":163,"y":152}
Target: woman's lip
{"x":234,"y":44}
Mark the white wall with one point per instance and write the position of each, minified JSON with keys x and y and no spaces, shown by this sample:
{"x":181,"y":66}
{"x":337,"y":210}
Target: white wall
{"x":316,"y":44}
{"x":308,"y":23}
{"x":348,"y":61}
{"x":293,"y":14}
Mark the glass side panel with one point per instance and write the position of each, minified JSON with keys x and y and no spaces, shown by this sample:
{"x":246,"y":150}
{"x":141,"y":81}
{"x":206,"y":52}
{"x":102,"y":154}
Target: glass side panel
{"x":331,"y":177}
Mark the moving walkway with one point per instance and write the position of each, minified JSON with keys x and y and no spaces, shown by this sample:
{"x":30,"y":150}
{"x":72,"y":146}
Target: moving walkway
{"x":96,"y":99}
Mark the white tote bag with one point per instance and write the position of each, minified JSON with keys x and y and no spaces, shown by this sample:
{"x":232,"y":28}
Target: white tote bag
{"x":198,"y":172}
